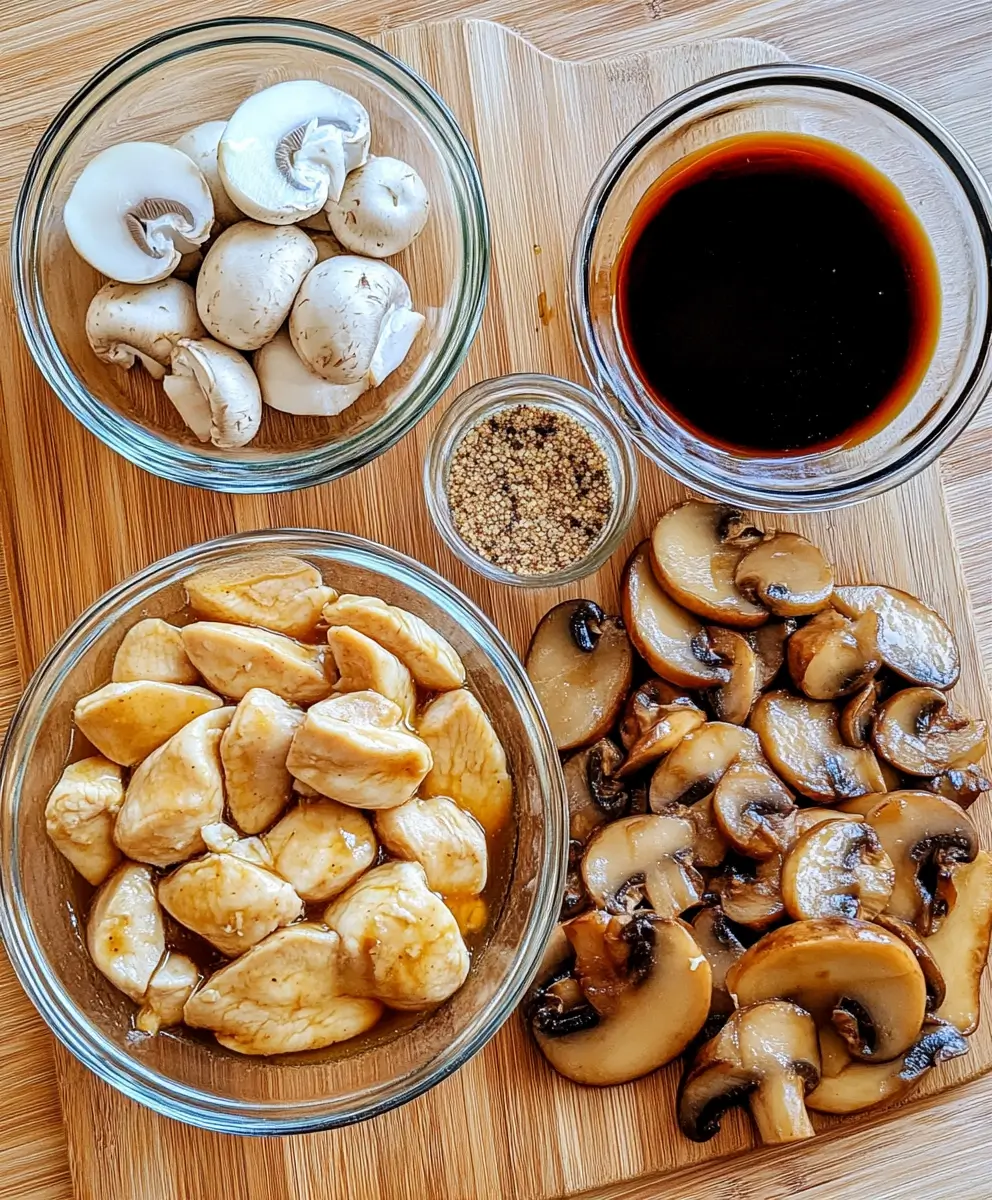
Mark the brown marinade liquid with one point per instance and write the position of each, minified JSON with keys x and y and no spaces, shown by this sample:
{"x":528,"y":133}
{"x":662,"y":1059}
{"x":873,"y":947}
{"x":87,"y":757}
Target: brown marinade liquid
{"x":776,"y":294}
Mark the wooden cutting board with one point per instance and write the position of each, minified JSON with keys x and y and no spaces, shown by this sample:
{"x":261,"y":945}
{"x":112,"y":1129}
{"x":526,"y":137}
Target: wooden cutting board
{"x":79,"y":519}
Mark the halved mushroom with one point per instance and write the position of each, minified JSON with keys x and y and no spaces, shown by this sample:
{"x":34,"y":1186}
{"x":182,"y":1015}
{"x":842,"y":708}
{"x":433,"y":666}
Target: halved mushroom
{"x":912,"y":639}
{"x":751,"y":892}
{"x":832,"y":656}
{"x":670,"y":640}
{"x":126,"y":323}
{"x":581,"y":663}
{"x":695,"y":549}
{"x":769,"y":642}
{"x":853,"y":974}
{"x":754,"y":809}
{"x":276,"y":591}
{"x":200,"y":144}
{"x":936,"y":988}
{"x":382,"y":208}
{"x":215,"y":391}
{"x":80,"y":814}
{"x":963,"y":785}
{"x":643,"y":858}
{"x":837,"y":869}
{"x":698,"y":763}
{"x":710,"y":847}
{"x":766,"y":1055}
{"x":288,"y":384}
{"x":857,"y":717}
{"x":153,"y":649}
{"x":236,"y":658}
{"x":595,"y":793}
{"x":961,"y":945}
{"x":643,"y":993}
{"x":927,"y":838}
{"x":917,"y":731}
{"x":732,"y":701}
{"x":136,"y":208}
{"x":786,"y":574}
{"x":716,"y":938}
{"x":127,"y":721}
{"x":801,"y":740}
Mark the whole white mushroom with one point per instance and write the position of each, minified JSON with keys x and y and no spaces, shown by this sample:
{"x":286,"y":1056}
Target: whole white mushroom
{"x":215,"y":392}
{"x":200,"y":144}
{"x":128,"y":322}
{"x":383,"y":207}
{"x":289,"y":385}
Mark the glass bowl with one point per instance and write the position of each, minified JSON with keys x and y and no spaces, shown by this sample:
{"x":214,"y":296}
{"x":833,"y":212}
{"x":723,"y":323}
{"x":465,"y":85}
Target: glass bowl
{"x":196,"y":1080}
{"x":155,"y":92}
{"x":472,"y":407}
{"x":941,"y":185}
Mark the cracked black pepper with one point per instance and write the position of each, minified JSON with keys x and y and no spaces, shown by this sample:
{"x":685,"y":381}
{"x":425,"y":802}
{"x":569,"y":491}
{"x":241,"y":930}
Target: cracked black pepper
{"x":529,"y":490}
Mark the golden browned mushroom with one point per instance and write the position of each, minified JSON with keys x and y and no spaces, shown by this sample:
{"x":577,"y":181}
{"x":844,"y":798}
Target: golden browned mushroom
{"x":754,"y":809}
{"x":808,"y":818}
{"x":732,"y":701}
{"x":580,"y":663}
{"x":716,"y":938}
{"x":832,"y":656}
{"x":769,"y":643}
{"x":858,"y":715}
{"x":710,"y":847}
{"x":786,"y":574}
{"x":698,"y":762}
{"x":644,"y":857}
{"x":595,"y":794}
{"x":963,"y":785}
{"x":917,"y":731}
{"x":961,"y":945}
{"x":656,"y":718}
{"x":695,"y":549}
{"x":837,"y":869}
{"x":932,"y":974}
{"x":751,"y":892}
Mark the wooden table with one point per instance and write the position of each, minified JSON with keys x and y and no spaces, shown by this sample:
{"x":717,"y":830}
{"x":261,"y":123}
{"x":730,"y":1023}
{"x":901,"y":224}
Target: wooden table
{"x":942,"y":54}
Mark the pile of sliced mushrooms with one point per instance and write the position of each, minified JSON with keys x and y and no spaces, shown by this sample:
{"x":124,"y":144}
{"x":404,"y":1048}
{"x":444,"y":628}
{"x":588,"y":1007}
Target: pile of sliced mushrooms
{"x":772,"y":868}
{"x":289,"y":815}
{"x":278,"y":219}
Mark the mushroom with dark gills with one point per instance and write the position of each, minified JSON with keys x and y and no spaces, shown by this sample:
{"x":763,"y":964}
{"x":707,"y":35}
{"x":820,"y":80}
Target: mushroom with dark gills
{"x":919,"y":733}
{"x":837,"y":869}
{"x":786,"y":574}
{"x":643,"y":858}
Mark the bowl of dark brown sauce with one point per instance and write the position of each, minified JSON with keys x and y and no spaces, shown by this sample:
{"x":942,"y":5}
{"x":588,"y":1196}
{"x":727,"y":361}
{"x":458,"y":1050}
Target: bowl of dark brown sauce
{"x":782,"y":281}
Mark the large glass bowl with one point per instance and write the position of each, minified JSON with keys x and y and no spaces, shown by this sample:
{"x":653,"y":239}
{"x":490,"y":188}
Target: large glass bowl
{"x":202,"y":72}
{"x":193,"y":1079}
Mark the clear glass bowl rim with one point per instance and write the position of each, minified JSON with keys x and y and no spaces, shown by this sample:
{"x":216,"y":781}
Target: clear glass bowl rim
{"x":290,"y":470}
{"x":152,"y":1088}
{"x":804,"y":495}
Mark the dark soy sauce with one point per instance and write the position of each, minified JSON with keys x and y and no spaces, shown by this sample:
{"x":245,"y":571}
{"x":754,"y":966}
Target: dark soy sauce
{"x":776,"y":294}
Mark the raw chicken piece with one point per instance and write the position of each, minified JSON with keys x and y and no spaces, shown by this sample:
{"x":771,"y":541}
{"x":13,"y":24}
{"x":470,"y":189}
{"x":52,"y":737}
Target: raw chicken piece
{"x":235,"y":658}
{"x":430,"y":659}
{"x":169,"y":989}
{"x":363,"y":665}
{"x":282,"y":996}
{"x":448,"y":842}
{"x":124,"y":931}
{"x":469,"y":761}
{"x":253,"y":751}
{"x":153,"y":649}
{"x":127,"y":721}
{"x":80,"y":815}
{"x":399,"y":942}
{"x":278,"y":592}
{"x":224,"y":839}
{"x":344,"y":751}
{"x":321,"y":848}
{"x":175,"y":792}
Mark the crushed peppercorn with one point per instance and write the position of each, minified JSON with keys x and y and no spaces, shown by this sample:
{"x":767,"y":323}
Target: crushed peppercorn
{"x":529,"y":490}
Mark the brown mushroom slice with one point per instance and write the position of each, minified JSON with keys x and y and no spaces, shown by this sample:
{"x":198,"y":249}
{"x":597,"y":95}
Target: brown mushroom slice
{"x":646,"y":989}
{"x":766,"y":1056}
{"x":645,"y":704}
{"x":580,"y":662}
{"x":754,"y":809}
{"x":837,"y":869}
{"x":927,"y":838}
{"x":716,"y":938}
{"x":595,"y":794}
{"x":674,"y":723}
{"x":918,"y":732}
{"x":698,"y":762}
{"x":732,"y":701}
{"x":961,"y":944}
{"x":769,"y":643}
{"x":912,"y":639}
{"x":963,"y":785}
{"x":786,"y":574}
{"x":574,"y":899}
{"x":670,"y":640}
{"x":801,"y":741}
{"x":751,"y":892}
{"x":710,"y":847}
{"x":832,"y":656}
{"x":644,"y":857}
{"x":695,"y":549}
{"x":808,"y":818}
{"x":858,"y":715}
{"x":932,"y":974}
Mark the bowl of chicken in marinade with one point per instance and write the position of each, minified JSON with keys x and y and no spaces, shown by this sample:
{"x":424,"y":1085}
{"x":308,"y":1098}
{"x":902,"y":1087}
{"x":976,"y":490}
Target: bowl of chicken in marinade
{"x":283,"y":833}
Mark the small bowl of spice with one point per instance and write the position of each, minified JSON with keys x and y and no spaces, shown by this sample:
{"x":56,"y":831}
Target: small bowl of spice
{"x":530,"y":480}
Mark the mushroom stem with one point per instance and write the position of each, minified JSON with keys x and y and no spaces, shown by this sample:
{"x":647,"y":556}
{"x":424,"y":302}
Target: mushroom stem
{"x":778,"y":1107}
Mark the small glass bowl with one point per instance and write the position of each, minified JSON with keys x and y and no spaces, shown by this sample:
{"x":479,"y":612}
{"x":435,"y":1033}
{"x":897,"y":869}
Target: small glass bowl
{"x":478,"y":403}
{"x":156,"y":91}
{"x":940,"y":183}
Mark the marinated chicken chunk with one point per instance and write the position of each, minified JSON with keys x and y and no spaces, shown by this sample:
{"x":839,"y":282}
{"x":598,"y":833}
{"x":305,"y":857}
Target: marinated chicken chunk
{"x":448,"y":842}
{"x":224,"y":839}
{"x":363,"y":665}
{"x":174,"y":793}
{"x":399,"y":943}
{"x":276,"y":591}
{"x":80,"y":816}
{"x":125,"y":934}
{"x":469,"y":760}
{"x":153,"y":649}
{"x":169,"y":989}
{"x":432,"y":662}
{"x":236,"y":658}
{"x":321,"y":848}
{"x":253,"y":750}
{"x":127,"y":721}
{"x":283,"y":995}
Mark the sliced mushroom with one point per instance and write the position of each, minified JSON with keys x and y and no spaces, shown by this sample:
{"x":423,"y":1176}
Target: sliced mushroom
{"x":961,"y":944}
{"x":716,"y":938}
{"x":80,"y":814}
{"x":837,"y":869}
{"x":200,"y":144}
{"x":732,"y":701}
{"x":918,"y":732}
{"x":126,"y":323}
{"x":963,"y":785}
{"x":288,"y":384}
{"x":851,"y":973}
{"x":581,"y":663}
{"x":153,"y":649}
{"x":574,"y":899}
{"x":127,"y":721}
{"x":236,"y":658}
{"x":832,"y":656}
{"x":786,"y":574}
{"x":801,"y":740}
{"x":695,"y":549}
{"x":769,"y":642}
{"x":645,"y":702}
{"x":754,"y":809}
{"x":857,"y":717}
{"x":710,"y":847}
{"x":670,"y":640}
{"x":751,"y":892}
{"x":215,"y":392}
{"x":382,"y":208}
{"x":766,"y":1056}
{"x":125,"y":934}
{"x":808,"y":818}
{"x":674,"y":722}
{"x":936,"y":988}
{"x":595,"y":794}
{"x":698,"y":762}
{"x":643,"y":858}
{"x":912,"y":639}
{"x":276,"y":591}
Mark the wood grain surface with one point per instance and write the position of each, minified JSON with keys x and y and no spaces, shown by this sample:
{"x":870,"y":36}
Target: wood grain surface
{"x":66,"y":542}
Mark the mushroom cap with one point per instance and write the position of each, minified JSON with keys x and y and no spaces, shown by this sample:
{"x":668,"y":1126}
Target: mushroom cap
{"x":640,"y":857}
{"x":127,"y":321}
{"x":382,"y":208}
{"x":918,"y":732}
{"x":215,"y":392}
{"x":136,"y":208}
{"x":290,"y":386}
{"x":837,"y":869}
{"x":200,"y":144}
{"x":754,"y":809}
{"x":786,"y":574}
